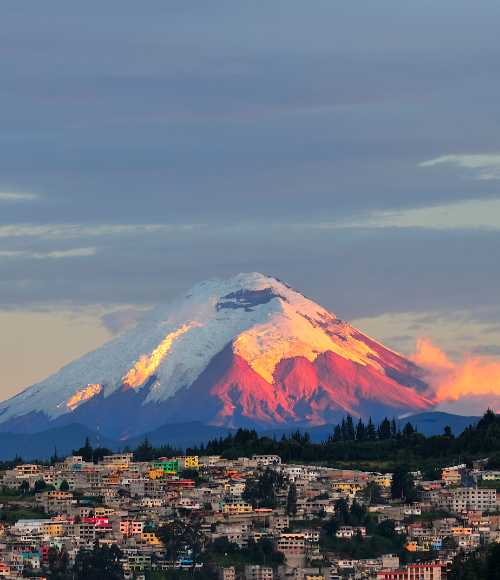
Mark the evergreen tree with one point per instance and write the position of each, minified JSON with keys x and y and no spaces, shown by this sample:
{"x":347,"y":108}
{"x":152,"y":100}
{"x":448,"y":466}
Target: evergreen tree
{"x":85,"y":451}
{"x":349,"y":429}
{"x":24,"y":487}
{"x":384,"y":429}
{"x":58,"y":563}
{"x":372,"y":493}
{"x":101,"y":563}
{"x":99,"y":452}
{"x":39,"y":486}
{"x":360,"y":431}
{"x":55,"y":458}
{"x":343,"y":430}
{"x":408,"y":430}
{"x":371,"y":433}
{"x":261,"y":492}
{"x":145,"y":451}
{"x":337,"y":433}
{"x":291,"y":502}
{"x":402,"y":486}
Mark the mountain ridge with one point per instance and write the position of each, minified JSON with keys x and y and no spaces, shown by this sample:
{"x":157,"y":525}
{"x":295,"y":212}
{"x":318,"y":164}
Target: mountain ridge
{"x":246,"y":351}
{"x":41,"y":445}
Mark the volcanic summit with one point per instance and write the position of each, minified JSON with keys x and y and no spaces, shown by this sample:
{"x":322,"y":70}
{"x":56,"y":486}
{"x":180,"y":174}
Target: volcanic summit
{"x":245,"y":351}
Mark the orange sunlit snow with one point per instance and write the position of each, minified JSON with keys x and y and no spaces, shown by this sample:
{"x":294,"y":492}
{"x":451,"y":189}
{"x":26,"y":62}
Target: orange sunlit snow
{"x":83,"y":395}
{"x":148,"y":364}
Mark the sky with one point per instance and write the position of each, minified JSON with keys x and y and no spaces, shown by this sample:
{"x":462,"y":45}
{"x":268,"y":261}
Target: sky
{"x":349,"y":148}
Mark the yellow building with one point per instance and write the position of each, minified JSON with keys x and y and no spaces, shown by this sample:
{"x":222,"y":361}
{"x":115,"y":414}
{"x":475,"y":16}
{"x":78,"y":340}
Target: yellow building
{"x":53,"y":529}
{"x":189,"y":462}
{"x":27,"y":469}
{"x":237,"y":508}
{"x":103,"y":512}
{"x":383,"y":479}
{"x":155,"y":473}
{"x":348,"y":487}
{"x":151,"y":538}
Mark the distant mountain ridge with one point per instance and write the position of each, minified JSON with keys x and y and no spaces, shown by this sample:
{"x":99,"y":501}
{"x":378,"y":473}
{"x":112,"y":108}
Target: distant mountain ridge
{"x":42,"y":445}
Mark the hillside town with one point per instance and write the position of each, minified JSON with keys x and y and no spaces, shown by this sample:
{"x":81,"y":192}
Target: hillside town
{"x":255,"y":518}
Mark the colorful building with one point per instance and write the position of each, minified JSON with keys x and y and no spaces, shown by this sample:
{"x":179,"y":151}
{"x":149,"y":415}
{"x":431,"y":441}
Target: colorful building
{"x":168,"y":466}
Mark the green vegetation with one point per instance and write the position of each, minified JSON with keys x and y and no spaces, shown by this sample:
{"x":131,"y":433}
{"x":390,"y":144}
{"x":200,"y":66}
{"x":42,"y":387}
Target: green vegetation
{"x":40,"y":486}
{"x":181,"y":537}
{"x":58,"y":564}
{"x":369,"y":446}
{"x":146,"y":452}
{"x":203,"y":573}
{"x":489,"y":485}
{"x":90,"y":453}
{"x":402,"y":486}
{"x":11,"y":514}
{"x":291,"y":501}
{"x":8,"y":494}
{"x":101,"y":563}
{"x":184,"y":539}
{"x":380,"y":539}
{"x":261,"y":492}
{"x":481,"y":564}
{"x":225,"y":553}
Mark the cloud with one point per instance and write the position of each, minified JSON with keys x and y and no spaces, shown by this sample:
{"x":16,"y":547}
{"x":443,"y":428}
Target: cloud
{"x":13,"y":197}
{"x":121,"y":320}
{"x":71,"y":231}
{"x":467,"y":214}
{"x":472,"y":377}
{"x":484,"y":166}
{"x":52,"y":255}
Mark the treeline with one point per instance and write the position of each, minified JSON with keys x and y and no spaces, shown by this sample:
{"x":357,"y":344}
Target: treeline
{"x":358,"y":441}
{"x":350,"y":442}
{"x":143,"y":452}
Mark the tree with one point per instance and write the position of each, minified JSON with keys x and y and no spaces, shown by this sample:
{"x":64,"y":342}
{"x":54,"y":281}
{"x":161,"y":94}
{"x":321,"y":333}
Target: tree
{"x":384,"y":429}
{"x":99,"y":452}
{"x":291,"y":502}
{"x":145,"y":451}
{"x":448,"y":432}
{"x":85,"y":451}
{"x":349,"y":429}
{"x":24,"y":487}
{"x":179,"y":536}
{"x":101,"y":563}
{"x":337,"y":433}
{"x":387,"y":529}
{"x":64,"y":486}
{"x":40,"y":485}
{"x":373,"y":494}
{"x":341,"y":511}
{"x":357,"y":514}
{"x":408,"y":430}
{"x":261,"y":492}
{"x":402,"y":486}
{"x":360,"y":431}
{"x":55,"y":458}
{"x":58,"y":562}
{"x":449,"y":543}
{"x":371,"y":433}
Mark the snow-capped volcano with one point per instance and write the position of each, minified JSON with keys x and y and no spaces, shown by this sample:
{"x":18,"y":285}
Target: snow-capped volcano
{"x":247,"y":350}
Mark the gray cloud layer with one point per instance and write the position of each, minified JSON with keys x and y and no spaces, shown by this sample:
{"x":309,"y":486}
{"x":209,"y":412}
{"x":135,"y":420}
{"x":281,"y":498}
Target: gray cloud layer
{"x":180,"y":141}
